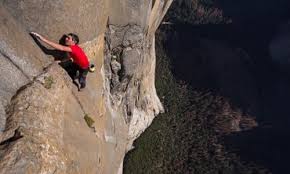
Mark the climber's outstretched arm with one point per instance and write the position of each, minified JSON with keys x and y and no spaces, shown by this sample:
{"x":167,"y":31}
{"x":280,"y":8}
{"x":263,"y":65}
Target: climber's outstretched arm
{"x":54,"y":45}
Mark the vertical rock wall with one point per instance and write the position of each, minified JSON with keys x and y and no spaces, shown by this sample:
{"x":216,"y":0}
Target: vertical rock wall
{"x":41,"y":109}
{"x":130,"y":64}
{"x":20,"y":60}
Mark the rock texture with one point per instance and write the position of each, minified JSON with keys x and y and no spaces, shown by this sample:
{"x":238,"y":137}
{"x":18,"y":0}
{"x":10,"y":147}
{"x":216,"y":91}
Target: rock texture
{"x":54,"y":18}
{"x":33,"y":138}
{"x":42,"y":129}
{"x":130,"y":67}
{"x":20,"y":61}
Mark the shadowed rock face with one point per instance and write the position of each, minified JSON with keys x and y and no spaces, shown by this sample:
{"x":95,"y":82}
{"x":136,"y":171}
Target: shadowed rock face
{"x":42,"y":129}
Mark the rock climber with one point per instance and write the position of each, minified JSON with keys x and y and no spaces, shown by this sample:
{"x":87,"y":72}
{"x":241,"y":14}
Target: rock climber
{"x":75,"y":53}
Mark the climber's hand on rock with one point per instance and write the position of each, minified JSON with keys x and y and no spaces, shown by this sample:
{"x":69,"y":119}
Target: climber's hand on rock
{"x":38,"y":36}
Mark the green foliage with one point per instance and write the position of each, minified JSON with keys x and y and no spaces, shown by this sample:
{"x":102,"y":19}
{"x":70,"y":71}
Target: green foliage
{"x":89,"y":120}
{"x":207,"y":2}
{"x":195,"y":12}
{"x":48,"y":81}
{"x":184,"y":138}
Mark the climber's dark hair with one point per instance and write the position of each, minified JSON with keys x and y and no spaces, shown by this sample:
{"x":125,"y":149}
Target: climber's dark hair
{"x":74,"y":37}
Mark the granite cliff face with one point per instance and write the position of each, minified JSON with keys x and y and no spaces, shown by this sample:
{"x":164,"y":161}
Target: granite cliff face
{"x":42,"y":129}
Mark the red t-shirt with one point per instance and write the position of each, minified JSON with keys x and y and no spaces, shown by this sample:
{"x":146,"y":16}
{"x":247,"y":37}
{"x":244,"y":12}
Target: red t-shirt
{"x":79,"y":57}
